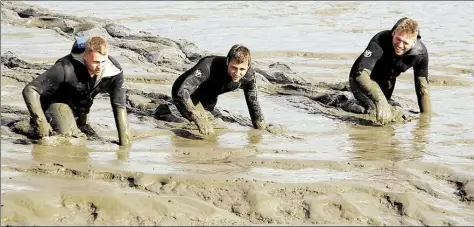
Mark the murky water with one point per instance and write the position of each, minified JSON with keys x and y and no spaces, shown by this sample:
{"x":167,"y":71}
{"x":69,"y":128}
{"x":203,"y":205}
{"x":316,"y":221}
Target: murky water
{"x":335,"y":32}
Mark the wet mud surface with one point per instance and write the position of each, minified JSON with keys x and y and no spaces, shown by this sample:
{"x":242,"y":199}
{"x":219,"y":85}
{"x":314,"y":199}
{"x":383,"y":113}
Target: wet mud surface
{"x":172,"y":175}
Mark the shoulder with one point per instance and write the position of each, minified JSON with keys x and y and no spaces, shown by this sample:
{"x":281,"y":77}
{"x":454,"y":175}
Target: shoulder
{"x":249,"y":76}
{"x":112,"y":68}
{"x":420,"y":48}
{"x":377,"y":43}
{"x":209,"y":64}
{"x":115,"y":62}
{"x":64,"y":60}
{"x":64,"y":64}
{"x":419,"y":51}
{"x":210,"y":60}
{"x":380,"y":37}
{"x":250,"y":72}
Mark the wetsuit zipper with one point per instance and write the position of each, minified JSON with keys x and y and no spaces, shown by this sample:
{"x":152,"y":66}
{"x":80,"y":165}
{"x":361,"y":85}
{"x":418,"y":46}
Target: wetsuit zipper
{"x":96,"y":84}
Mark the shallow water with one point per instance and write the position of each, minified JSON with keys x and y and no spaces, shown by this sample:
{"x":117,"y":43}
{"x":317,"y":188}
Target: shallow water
{"x":335,"y":32}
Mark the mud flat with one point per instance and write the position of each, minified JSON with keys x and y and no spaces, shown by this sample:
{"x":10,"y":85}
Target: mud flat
{"x":172,"y":176}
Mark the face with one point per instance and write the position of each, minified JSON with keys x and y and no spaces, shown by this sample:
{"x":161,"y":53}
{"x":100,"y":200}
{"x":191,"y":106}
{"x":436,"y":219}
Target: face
{"x":237,"y":71}
{"x":402,"y":42}
{"x":95,"y":62}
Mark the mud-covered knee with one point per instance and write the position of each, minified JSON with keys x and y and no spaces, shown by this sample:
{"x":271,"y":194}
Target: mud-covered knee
{"x":60,"y":108}
{"x":62,"y":119}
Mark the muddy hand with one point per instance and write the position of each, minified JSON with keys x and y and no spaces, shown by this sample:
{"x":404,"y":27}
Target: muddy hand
{"x":89,"y":131}
{"x":79,"y":135}
{"x":271,"y":128}
{"x":86,"y":129}
{"x":204,"y":126}
{"x":43,"y":129}
{"x":260,"y":125}
{"x":276,"y":129}
{"x":121,"y":122}
{"x":384,"y":113}
{"x":200,"y":118}
{"x":398,"y":114}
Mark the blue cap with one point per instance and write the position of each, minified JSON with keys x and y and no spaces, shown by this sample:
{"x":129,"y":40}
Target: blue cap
{"x":79,"y":45}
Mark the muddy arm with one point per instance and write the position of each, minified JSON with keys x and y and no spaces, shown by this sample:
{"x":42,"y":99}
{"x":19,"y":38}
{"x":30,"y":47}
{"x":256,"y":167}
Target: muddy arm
{"x":44,"y":85}
{"x":251,"y":97}
{"x":33,"y":103}
{"x":364,"y":66}
{"x":362,"y":77}
{"x":184,"y":103}
{"x":117,"y":99}
{"x":370,"y":88}
{"x":183,"y":100}
{"x":422,"y":85}
{"x":121,"y":122}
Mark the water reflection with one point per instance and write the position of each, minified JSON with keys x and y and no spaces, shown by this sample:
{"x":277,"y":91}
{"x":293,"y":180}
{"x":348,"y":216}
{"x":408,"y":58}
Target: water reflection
{"x":375,"y":143}
{"x":420,"y":133}
{"x":148,"y":162}
{"x":392,"y":143}
{"x":249,"y":138}
{"x":254,"y":137}
{"x":78,"y":154}
{"x":123,"y":154}
{"x":62,"y":153}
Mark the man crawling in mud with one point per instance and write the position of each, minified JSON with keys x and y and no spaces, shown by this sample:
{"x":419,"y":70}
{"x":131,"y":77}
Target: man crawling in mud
{"x":196,"y":90}
{"x":59,"y":100}
{"x":390,"y":53}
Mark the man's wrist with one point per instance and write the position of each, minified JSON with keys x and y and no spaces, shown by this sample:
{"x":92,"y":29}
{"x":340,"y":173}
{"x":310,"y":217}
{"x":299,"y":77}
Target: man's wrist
{"x":260,"y":124}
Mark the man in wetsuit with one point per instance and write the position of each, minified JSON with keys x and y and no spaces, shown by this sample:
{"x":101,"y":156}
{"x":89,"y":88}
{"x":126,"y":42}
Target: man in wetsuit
{"x":59,"y":100}
{"x":197,"y":89}
{"x":389,"y":53}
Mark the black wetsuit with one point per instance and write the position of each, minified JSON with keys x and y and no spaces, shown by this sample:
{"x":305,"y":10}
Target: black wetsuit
{"x":207,"y":80}
{"x":64,"y":94}
{"x":379,"y":57}
{"x":68,"y":81}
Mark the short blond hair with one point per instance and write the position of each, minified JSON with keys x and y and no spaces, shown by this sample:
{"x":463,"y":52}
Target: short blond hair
{"x":97,"y":44}
{"x":408,"y":27}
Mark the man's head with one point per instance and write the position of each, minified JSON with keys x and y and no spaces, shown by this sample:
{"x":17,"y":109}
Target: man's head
{"x":96,"y":54}
{"x":238,"y":62}
{"x":404,"y":36}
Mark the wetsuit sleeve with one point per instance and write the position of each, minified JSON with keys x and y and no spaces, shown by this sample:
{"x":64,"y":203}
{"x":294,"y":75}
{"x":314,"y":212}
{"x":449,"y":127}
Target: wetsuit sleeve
{"x":196,"y":77}
{"x":420,"y":71}
{"x":251,"y":97}
{"x":368,"y":58}
{"x":421,"y":68}
{"x":44,"y":85}
{"x":48,"y":82}
{"x":117,"y":100}
{"x":117,"y":91}
{"x":199,"y":74}
{"x":362,"y":74}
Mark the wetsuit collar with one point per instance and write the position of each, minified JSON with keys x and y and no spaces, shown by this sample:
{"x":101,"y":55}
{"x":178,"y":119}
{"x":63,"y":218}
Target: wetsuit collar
{"x":416,"y":49}
{"x":110,"y":68}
